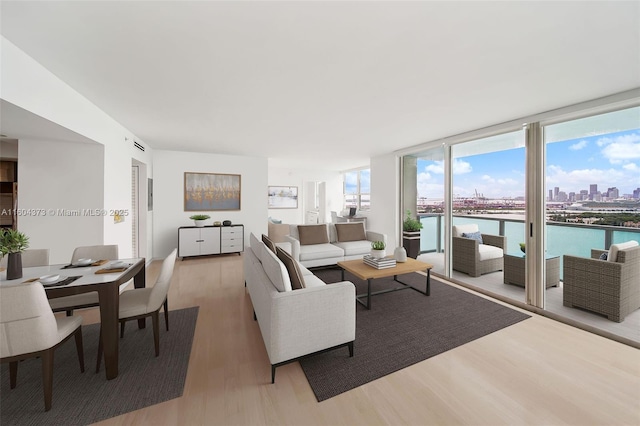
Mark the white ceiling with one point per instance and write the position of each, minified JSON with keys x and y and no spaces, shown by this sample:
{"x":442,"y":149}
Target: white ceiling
{"x":327,"y":84}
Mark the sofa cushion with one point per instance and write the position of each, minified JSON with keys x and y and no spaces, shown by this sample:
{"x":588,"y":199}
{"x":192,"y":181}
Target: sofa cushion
{"x":350,"y":232}
{"x":458,"y":230}
{"x":276,"y":271}
{"x":313,"y":281}
{"x":320,"y":251}
{"x":486,"y":252}
{"x":256,"y":246}
{"x":270,"y":244}
{"x":295,"y":274}
{"x":615,"y":248}
{"x":354,"y":248}
{"x":313,"y":234}
{"x":473,"y":235}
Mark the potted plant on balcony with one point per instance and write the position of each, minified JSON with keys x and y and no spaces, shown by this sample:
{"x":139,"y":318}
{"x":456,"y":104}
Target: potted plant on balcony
{"x":411,"y":235}
{"x":378,"y":249}
{"x":200,"y":219}
{"x":12,"y":244}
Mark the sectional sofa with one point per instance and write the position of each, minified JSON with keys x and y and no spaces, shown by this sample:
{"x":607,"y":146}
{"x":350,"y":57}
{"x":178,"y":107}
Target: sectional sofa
{"x":296,"y":322}
{"x":327,"y":244}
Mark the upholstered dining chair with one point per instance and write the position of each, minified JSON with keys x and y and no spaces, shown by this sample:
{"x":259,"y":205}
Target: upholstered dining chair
{"x":28,"y":329}
{"x":31,"y":258}
{"x":145,"y":302}
{"x":84,"y":300}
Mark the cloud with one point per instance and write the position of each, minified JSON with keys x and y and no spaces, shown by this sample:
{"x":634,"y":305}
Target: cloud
{"x":578,"y":146}
{"x":620,"y":149}
{"x":632,"y":167}
{"x":459,"y":167}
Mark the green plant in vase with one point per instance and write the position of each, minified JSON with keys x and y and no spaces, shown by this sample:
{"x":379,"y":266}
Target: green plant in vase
{"x":411,"y":224}
{"x":199,"y":219}
{"x":12,"y":244}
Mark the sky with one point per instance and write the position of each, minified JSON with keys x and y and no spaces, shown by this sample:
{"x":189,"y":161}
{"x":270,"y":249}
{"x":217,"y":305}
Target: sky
{"x":610,"y":160}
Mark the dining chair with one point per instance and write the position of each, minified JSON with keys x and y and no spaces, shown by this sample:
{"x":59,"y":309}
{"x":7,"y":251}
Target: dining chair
{"x":140,"y":303}
{"x":31,"y":258}
{"x":29,"y":329}
{"x":84,"y":300}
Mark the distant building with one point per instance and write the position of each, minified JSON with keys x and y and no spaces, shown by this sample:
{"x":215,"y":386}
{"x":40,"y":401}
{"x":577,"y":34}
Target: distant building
{"x":613,"y":193}
{"x":550,"y":196}
{"x":593,"y":190}
{"x":636,"y":193}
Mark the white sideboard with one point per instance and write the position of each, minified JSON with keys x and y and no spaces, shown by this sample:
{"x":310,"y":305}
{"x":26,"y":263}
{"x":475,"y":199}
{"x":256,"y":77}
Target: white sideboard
{"x":200,"y":241}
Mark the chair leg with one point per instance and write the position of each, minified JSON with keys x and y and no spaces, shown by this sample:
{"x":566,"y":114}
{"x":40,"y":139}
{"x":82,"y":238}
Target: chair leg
{"x":47,"y":377}
{"x":13,"y":373}
{"x":273,"y":374}
{"x":122,"y":323}
{"x":156,"y":331}
{"x":99,"y":358}
{"x":69,"y":312}
{"x":351,"y":349}
{"x":80,"y":348}
{"x":166,"y":313}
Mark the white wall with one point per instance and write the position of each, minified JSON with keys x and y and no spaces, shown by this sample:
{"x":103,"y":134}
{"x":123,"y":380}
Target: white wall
{"x":299,"y":178}
{"x":385,"y":199}
{"x":168,"y":182}
{"x":50,"y":180}
{"x":28,"y":85}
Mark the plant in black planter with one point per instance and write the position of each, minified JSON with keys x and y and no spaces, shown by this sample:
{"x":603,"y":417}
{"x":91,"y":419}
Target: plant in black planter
{"x":411,"y":235}
{"x":12,"y":244}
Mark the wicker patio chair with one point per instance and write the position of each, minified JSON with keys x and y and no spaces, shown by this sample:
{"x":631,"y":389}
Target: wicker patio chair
{"x":466,"y":254}
{"x":608,"y":288}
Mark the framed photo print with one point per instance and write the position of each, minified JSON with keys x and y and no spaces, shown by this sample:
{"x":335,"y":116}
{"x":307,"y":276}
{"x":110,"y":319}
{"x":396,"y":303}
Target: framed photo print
{"x":211,"y":191}
{"x":283,"y":197}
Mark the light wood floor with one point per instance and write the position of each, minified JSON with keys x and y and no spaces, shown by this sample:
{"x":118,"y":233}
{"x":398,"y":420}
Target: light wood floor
{"x":536,"y":372}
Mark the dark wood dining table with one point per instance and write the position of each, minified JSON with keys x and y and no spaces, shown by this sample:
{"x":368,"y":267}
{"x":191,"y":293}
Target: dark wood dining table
{"x":108,"y":287}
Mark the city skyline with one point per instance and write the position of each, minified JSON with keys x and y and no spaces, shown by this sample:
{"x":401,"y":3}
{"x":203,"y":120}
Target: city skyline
{"x":608,"y":160}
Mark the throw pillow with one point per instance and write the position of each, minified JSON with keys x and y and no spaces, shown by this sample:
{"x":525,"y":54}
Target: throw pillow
{"x":295,"y":274}
{"x":603,"y":256}
{"x":267,"y":242}
{"x":351,"y":231}
{"x":473,"y":235}
{"x":313,"y":234}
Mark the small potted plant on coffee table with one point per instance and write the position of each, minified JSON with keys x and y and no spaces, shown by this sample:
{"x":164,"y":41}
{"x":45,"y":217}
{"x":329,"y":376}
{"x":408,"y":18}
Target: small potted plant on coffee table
{"x":200,"y":219}
{"x":378,"y":249}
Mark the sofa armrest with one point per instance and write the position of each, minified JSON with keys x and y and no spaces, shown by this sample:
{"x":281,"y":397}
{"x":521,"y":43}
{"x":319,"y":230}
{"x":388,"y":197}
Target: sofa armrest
{"x":494,"y":240}
{"x":311,"y":319}
{"x":295,"y":246}
{"x":376,"y":236}
{"x":464,"y":247}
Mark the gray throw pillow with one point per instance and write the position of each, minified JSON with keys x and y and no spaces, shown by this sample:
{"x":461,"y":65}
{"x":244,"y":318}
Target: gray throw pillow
{"x":351,"y":231}
{"x":269,"y":243}
{"x":295,"y":274}
{"x":313,"y":234}
{"x":473,"y":235}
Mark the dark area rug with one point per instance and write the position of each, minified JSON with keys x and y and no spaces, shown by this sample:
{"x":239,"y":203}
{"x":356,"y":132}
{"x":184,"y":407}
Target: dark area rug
{"x":84,"y":398}
{"x":403,"y":328}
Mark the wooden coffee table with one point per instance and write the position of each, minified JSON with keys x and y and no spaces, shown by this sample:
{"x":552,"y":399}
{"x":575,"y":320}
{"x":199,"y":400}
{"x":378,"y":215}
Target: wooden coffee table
{"x":369,"y":273}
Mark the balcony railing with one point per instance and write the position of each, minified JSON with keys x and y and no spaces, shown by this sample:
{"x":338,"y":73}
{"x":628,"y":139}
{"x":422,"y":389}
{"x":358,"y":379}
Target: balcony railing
{"x":575,"y":239}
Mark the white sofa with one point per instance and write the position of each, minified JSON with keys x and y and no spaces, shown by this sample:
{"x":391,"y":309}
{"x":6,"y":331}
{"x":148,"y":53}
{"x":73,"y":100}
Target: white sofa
{"x":295,"y":323}
{"x":333,"y":250}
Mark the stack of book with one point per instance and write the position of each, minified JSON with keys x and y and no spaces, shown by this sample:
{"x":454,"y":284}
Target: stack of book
{"x":385,"y":262}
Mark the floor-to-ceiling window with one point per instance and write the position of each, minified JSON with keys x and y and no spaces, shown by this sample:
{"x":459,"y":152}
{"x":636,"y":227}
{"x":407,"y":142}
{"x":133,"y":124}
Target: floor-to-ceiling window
{"x":593,"y":201}
{"x":587,"y":166}
{"x":357,"y":189}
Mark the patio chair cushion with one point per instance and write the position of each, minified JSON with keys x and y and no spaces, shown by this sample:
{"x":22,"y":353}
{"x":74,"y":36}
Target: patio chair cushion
{"x":615,"y":248}
{"x":487,"y":252}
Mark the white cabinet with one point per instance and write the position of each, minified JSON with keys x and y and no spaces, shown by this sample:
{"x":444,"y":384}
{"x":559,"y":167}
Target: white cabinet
{"x":194,"y":241}
{"x":232,"y":239}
